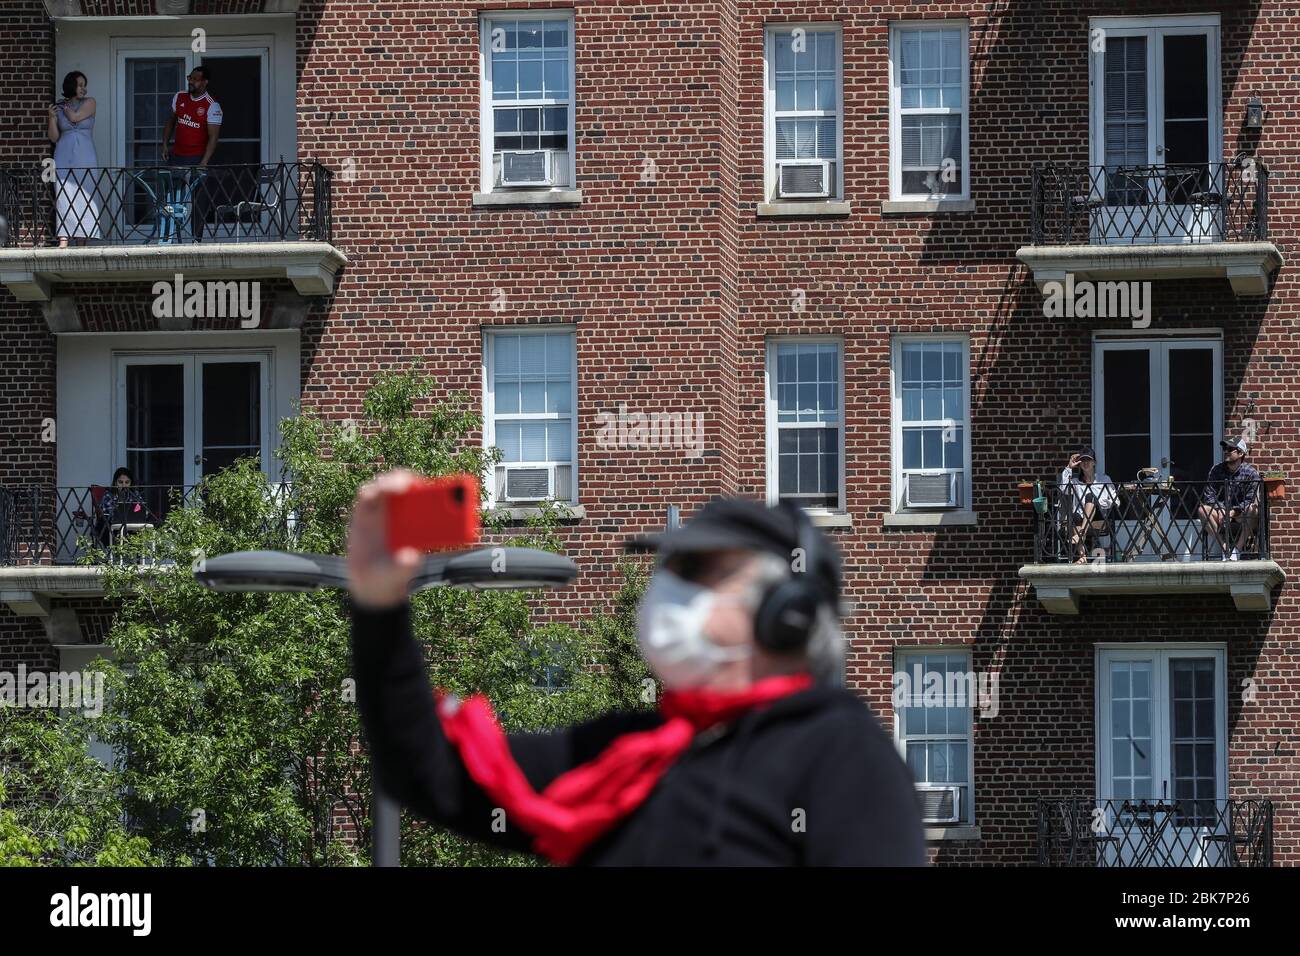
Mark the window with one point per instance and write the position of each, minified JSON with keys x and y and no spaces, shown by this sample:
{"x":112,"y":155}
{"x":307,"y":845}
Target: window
{"x":930,"y":443}
{"x":531,"y":391}
{"x":805,"y":433}
{"x":527,"y":111}
{"x":929,"y":89}
{"x":804,"y":135}
{"x":935,"y":692}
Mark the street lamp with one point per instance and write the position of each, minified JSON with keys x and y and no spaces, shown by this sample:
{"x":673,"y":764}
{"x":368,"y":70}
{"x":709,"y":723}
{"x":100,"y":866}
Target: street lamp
{"x":481,"y":569}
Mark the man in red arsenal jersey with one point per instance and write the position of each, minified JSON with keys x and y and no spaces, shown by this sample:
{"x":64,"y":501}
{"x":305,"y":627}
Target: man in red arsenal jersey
{"x":196,"y":120}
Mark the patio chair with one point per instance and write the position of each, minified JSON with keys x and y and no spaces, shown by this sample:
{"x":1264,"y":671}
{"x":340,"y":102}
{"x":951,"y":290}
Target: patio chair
{"x":269,"y":193}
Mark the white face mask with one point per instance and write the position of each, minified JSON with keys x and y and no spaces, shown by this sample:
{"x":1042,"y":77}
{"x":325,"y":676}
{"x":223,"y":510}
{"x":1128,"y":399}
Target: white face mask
{"x":670,"y":631}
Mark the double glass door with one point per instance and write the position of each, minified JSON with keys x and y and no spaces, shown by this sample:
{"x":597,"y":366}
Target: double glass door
{"x":183,"y":417}
{"x":1156,"y":130}
{"x":1161,"y":756}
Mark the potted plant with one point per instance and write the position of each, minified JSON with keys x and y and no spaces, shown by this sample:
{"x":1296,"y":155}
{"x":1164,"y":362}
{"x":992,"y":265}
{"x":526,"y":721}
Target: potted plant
{"x":1026,"y":489}
{"x":1275,"y":486}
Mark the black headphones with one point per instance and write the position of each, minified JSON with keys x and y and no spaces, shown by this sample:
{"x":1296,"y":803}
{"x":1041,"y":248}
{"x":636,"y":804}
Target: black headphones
{"x":785,"y":617}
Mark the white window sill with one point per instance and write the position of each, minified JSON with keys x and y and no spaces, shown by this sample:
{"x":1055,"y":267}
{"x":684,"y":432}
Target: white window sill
{"x":575,"y":512}
{"x":529,"y":197}
{"x":830,"y":519}
{"x":931,"y":519}
{"x":828,"y":207}
{"x":924,"y":206}
{"x":952,"y":833}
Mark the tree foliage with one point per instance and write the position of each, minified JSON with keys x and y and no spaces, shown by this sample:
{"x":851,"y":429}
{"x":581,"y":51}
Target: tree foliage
{"x":233,"y":716}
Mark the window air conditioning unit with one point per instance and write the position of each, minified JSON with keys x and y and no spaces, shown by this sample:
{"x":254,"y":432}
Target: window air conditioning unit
{"x":526,"y":167}
{"x":525,"y":482}
{"x":930,"y":490}
{"x":939,"y":804}
{"x":803,"y":178}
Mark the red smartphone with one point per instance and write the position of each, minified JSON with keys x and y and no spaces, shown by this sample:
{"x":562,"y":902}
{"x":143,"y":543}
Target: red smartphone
{"x":434,"y":514}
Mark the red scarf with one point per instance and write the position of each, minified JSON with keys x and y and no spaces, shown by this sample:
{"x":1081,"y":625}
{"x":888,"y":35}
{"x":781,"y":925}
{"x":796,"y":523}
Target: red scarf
{"x":583,"y":803}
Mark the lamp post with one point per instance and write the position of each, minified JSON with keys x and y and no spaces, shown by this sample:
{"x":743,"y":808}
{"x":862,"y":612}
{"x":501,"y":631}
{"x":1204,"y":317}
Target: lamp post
{"x":480,"y":569}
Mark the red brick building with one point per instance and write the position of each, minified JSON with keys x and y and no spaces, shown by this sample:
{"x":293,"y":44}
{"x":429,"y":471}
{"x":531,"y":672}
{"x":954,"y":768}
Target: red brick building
{"x":818,"y":251}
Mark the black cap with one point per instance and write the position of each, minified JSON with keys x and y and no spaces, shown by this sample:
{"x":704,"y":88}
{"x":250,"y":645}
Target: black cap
{"x":1087,"y":452}
{"x":730,"y":523}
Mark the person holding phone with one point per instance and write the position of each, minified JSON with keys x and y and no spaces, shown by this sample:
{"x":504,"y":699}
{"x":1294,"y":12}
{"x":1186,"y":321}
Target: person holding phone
{"x":755,"y":756}
{"x":1088,"y":499}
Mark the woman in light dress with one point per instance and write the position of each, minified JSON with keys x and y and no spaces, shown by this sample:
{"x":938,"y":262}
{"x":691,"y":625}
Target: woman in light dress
{"x":71,"y":121}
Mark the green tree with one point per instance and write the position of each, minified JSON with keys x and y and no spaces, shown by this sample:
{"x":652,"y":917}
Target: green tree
{"x":59,"y":806}
{"x":233,"y":715}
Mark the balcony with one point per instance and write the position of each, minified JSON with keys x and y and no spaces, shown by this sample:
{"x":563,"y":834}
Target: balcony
{"x":56,"y":541}
{"x":1108,"y":223}
{"x":1151,"y":539}
{"x":269,"y":220}
{"x":1155,"y":833}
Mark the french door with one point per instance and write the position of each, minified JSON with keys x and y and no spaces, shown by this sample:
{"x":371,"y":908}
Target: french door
{"x":149,"y":80}
{"x":1162,"y":772}
{"x":1156,"y":404}
{"x":181,"y":417}
{"x":1156,"y":128}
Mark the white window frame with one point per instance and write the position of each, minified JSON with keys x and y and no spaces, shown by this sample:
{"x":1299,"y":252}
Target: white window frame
{"x":1157,"y":350}
{"x":772,"y":424}
{"x":1160,"y":731}
{"x":901,"y":663}
{"x":770,"y":113}
{"x":191,"y":359}
{"x":143,"y":47}
{"x":1153,"y":28}
{"x":896,"y":112}
{"x":486,"y":119}
{"x":896,"y":421}
{"x":489,"y":401}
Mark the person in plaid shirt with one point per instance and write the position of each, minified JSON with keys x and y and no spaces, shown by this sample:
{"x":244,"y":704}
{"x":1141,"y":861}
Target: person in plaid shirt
{"x":1231,"y":496}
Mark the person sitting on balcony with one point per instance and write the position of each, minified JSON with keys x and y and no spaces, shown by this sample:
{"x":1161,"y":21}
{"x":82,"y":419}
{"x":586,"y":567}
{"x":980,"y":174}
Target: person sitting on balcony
{"x":196,"y":119}
{"x":71,"y":123}
{"x":1230,"y":499}
{"x":1090,"y":498}
{"x":122,"y":504}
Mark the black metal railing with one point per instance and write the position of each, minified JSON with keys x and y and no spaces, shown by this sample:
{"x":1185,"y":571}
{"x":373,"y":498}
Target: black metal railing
{"x":62,"y":525}
{"x":1151,"y":518}
{"x":1155,"y":832}
{"x":261,"y":202}
{"x":1094,"y":205}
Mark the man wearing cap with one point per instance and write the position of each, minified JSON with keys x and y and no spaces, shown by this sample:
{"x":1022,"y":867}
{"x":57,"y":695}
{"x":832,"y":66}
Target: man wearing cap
{"x":755,"y":755}
{"x":1088,"y":498}
{"x":1230,"y":498}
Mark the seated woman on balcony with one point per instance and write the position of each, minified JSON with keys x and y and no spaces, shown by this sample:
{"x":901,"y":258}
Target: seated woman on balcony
{"x":71,"y":122}
{"x":122,"y":504}
{"x":1090,"y":498}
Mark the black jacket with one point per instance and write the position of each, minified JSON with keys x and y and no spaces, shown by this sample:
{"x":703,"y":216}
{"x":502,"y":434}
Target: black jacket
{"x":810,"y":780}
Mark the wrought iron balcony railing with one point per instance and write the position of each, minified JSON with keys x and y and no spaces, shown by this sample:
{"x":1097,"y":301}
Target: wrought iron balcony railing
{"x":264,"y":202}
{"x":1151,"y":518}
{"x":1140,"y":205}
{"x":47,"y":525}
{"x":1155,"y":832}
